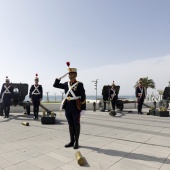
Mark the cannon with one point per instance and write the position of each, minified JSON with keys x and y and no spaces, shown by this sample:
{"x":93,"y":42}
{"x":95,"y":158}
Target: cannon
{"x":20,"y":91}
{"x":165,"y":98}
{"x":105,"y":104}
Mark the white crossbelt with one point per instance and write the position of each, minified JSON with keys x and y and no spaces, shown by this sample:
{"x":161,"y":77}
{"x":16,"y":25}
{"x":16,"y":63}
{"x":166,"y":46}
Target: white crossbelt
{"x":141,"y":89}
{"x":114,"y":93}
{"x":6,"y":91}
{"x":69,"y":98}
{"x":36,"y":89}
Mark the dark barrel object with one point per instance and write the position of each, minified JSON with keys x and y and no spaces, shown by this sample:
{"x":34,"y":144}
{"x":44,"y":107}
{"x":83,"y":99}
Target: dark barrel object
{"x":165,"y":98}
{"x":20,"y":91}
{"x":105,"y":94}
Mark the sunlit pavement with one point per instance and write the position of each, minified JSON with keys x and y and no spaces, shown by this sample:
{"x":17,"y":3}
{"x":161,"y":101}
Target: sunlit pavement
{"x":128,"y":141}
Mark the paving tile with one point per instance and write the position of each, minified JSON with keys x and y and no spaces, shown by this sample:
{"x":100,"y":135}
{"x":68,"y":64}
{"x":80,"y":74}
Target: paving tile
{"x":129,"y":165}
{"x":46,"y":162}
{"x":128,"y":141}
{"x":69,"y":167}
{"x":138,"y":137}
{"x":41,"y":148}
{"x":4,"y":163}
{"x":165,"y":167}
{"x":76,"y":165}
{"x":23,"y":165}
{"x":30,"y":152}
{"x":116,"y":133}
{"x":160,"y":141}
{"x":15,"y":156}
{"x":59,"y":157}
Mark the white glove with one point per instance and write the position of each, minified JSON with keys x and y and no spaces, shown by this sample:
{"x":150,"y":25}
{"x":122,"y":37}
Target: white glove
{"x":82,"y":112}
{"x":63,"y":76}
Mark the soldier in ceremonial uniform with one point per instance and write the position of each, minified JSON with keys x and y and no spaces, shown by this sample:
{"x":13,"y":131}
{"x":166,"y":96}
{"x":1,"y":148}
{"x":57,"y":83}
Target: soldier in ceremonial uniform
{"x":113,"y":95}
{"x":74,"y":104}
{"x":36,"y":95}
{"x":6,"y":96}
{"x":140,"y":96}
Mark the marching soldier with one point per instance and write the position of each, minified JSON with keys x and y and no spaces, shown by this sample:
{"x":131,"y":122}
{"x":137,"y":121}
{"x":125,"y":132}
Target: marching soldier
{"x":140,"y":96}
{"x":6,"y":96}
{"x":74,"y":104}
{"x":36,"y":95}
{"x":113,"y":95}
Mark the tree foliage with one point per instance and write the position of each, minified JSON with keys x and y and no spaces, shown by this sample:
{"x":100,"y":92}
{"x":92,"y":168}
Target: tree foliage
{"x":146,"y":83}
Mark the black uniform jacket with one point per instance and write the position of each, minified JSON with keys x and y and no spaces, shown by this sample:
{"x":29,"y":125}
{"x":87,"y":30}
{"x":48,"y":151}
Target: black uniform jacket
{"x":140,"y":90}
{"x":36,"y":94}
{"x":6,"y":93}
{"x":78,"y":90}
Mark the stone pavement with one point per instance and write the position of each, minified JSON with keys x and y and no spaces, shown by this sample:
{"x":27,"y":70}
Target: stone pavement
{"x":126,"y":142}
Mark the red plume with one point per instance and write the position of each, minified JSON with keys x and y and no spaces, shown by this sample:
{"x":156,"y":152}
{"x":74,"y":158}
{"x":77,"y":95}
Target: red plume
{"x":68,"y":63}
{"x":36,"y":74}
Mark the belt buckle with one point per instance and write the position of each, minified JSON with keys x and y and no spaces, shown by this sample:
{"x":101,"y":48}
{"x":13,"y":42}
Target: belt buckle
{"x":68,"y":98}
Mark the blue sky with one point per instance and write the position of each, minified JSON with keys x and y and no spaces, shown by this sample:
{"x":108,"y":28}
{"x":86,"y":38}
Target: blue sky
{"x":39,"y":36}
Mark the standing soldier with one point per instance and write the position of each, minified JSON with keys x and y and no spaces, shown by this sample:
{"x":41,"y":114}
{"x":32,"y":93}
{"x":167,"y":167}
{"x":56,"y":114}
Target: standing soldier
{"x":6,"y":96}
{"x":36,"y":95}
{"x":140,"y":96}
{"x":74,"y":104}
{"x":113,"y":95}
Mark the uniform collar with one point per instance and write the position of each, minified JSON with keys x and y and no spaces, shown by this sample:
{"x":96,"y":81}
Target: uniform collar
{"x":72,"y":82}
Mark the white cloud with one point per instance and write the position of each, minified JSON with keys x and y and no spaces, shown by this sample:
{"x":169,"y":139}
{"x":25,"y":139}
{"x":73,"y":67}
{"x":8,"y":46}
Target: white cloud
{"x":127,"y":74}
{"x":124,"y":75}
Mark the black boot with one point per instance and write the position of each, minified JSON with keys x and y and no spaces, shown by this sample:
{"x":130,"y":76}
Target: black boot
{"x":8,"y":110}
{"x":77,"y":133}
{"x":71,"y":130}
{"x":37,"y":116}
{"x":138,"y":109}
{"x":34,"y":112}
{"x":34,"y":115}
{"x":37,"y":111}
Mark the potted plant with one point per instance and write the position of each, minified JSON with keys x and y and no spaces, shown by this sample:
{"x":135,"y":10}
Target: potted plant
{"x":162,"y":112}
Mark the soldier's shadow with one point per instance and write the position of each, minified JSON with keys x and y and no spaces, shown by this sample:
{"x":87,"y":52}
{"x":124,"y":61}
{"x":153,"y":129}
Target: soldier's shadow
{"x":19,"y":117}
{"x":133,"y":156}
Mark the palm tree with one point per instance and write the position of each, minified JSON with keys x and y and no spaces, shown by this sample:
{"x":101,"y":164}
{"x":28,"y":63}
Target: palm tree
{"x":146,"y":83}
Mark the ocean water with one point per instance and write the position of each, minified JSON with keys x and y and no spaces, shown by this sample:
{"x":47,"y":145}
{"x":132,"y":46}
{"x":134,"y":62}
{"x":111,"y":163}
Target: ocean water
{"x":53,"y":98}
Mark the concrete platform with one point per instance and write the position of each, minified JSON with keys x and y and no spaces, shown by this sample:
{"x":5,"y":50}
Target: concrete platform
{"x":127,"y":141}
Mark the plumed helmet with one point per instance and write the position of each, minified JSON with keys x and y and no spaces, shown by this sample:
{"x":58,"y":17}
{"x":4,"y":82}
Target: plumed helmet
{"x":71,"y":70}
{"x":7,"y":79}
{"x":36,"y":77}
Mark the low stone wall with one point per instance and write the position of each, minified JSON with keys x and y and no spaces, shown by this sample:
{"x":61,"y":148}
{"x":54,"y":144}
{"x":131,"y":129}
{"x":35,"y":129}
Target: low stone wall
{"x":89,"y":106}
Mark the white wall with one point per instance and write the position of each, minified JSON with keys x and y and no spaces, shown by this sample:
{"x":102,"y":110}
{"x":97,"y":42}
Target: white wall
{"x":55,"y":107}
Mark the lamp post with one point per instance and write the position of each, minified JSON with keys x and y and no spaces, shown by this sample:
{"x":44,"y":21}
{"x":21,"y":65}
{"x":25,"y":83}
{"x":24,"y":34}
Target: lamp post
{"x":47,"y":96}
{"x":62,"y":94}
{"x":95,"y":84}
{"x":55,"y":96}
